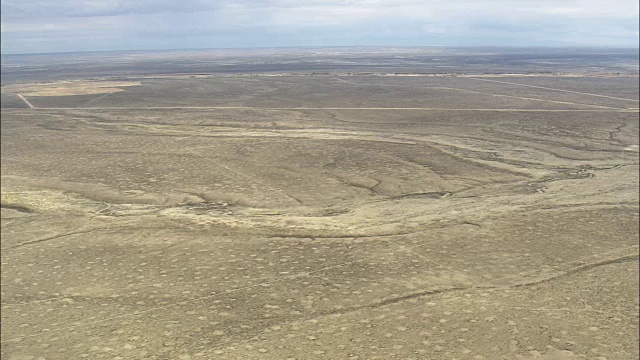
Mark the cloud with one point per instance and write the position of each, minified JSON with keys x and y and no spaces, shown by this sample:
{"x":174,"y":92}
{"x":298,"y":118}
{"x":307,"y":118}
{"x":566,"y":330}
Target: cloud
{"x":82,"y":8}
{"x":213,"y":23}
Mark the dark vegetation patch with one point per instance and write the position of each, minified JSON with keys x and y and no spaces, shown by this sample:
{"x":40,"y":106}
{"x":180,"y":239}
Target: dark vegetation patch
{"x":16,"y":207}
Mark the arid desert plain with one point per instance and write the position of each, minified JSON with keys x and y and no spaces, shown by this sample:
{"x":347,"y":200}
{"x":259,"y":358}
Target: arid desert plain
{"x":328,"y":211}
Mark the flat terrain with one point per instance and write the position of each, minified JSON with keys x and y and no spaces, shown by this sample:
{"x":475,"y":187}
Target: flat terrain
{"x":326,"y":216}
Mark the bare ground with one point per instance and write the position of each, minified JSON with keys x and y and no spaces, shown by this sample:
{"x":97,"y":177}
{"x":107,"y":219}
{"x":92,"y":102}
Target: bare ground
{"x":342,"y":230}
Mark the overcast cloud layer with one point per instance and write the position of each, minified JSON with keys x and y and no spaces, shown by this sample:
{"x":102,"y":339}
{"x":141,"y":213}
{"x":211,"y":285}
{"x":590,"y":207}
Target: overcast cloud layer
{"x":32,"y":26}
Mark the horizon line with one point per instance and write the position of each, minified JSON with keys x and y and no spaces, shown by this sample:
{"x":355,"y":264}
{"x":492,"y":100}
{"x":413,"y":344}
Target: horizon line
{"x":574,"y":47}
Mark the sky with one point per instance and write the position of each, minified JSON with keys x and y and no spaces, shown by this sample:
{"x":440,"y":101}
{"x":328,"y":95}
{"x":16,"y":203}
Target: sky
{"x":42,"y":26}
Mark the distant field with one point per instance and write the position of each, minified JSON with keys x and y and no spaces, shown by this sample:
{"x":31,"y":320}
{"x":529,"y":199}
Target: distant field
{"x":346,"y":91}
{"x":401,"y":60}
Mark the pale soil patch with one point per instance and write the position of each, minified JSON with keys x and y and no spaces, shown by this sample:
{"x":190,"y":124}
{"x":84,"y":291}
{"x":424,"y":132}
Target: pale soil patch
{"x":69,"y":88}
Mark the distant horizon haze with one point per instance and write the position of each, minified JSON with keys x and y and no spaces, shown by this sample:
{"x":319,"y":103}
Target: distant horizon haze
{"x":321,"y":60}
{"x":55,"y":26}
{"x":363,"y":48}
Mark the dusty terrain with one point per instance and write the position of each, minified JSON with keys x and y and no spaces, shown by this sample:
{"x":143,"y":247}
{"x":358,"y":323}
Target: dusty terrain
{"x":321,"y":217}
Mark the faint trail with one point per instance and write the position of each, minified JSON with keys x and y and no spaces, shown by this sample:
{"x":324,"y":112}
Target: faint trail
{"x":334,"y":108}
{"x":582,"y":261}
{"x":37,"y":241}
{"x":528,"y":98}
{"x":486,"y":93}
{"x":577,"y":269}
{"x":548,"y":88}
{"x":351,"y":82}
{"x":94,"y":100}
{"x":29,"y":104}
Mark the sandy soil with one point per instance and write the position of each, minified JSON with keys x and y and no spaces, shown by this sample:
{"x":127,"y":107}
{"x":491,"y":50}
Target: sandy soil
{"x":326,"y":229}
{"x":69,"y":88}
